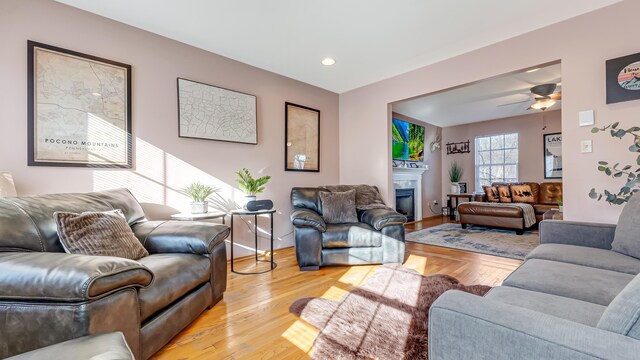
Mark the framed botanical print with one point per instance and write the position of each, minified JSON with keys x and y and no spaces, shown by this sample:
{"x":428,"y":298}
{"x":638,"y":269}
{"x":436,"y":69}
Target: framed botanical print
{"x":552,"y":156}
{"x":302,"y":138}
{"x":79,"y":109}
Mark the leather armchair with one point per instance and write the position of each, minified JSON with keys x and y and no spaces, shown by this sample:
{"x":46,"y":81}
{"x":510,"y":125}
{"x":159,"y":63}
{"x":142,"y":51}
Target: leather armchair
{"x":48,"y":296}
{"x":377,"y":238}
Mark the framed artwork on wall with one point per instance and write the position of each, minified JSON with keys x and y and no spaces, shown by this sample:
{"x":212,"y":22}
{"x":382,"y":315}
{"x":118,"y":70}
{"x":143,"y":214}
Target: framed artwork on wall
{"x":302,"y":138}
{"x":623,"y":78}
{"x":552,"y":156}
{"x":213,"y":113}
{"x":79,"y":109}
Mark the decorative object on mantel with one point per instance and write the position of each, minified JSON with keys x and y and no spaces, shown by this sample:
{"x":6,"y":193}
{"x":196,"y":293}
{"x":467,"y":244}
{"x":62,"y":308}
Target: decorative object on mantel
{"x":455,"y":174}
{"x":251,"y":186}
{"x":79,"y":109}
{"x":623,"y":78}
{"x":458,"y":148}
{"x":7,"y":187}
{"x":199,"y":193}
{"x":632,"y":184}
{"x":213,"y":113}
{"x":302,"y":138}
{"x":552,"y":156}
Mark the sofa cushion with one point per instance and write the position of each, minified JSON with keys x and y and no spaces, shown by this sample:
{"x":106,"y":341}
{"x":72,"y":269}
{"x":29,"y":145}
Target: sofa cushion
{"x":587,"y":256}
{"x":573,"y":281}
{"x":627,"y":238}
{"x":550,"y":193}
{"x":521,"y":193}
{"x":492,"y":193}
{"x":571,"y":309}
{"x":623,"y":314}
{"x":98,"y":233}
{"x":174,"y":276}
{"x":351,"y":236}
{"x":339,"y":207}
{"x":504,"y":192}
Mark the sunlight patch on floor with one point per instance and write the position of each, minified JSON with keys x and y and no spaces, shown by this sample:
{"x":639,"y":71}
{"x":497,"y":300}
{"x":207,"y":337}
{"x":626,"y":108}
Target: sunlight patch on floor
{"x":417,"y":263}
{"x":356,"y":275}
{"x":301,"y":334}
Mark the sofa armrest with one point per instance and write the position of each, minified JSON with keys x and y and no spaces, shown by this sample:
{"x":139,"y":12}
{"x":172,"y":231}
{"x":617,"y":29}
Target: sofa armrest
{"x":379,"y":218}
{"x":466,"y":326}
{"x":577,"y":233}
{"x":308,"y":218}
{"x":180,"y":237}
{"x":102,"y":346}
{"x":45,"y":276}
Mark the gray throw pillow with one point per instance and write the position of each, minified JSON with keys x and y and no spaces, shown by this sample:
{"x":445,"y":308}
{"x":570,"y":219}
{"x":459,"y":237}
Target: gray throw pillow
{"x":98,"y":233}
{"x":339,"y":207}
{"x":627,"y":238}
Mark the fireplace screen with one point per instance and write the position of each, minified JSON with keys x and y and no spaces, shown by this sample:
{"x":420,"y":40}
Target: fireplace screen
{"x":405,"y":203}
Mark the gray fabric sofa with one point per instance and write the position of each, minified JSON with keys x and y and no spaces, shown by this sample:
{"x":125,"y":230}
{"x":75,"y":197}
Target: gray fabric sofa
{"x":573,"y":298}
{"x":377,"y":238}
{"x":48,"y":296}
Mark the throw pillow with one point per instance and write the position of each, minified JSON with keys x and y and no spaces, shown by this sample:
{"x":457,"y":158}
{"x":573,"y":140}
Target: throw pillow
{"x":504,"y":193}
{"x":98,"y":233}
{"x":339,"y":207}
{"x":625,"y":240}
{"x":492,"y":193}
{"x":522,"y":193}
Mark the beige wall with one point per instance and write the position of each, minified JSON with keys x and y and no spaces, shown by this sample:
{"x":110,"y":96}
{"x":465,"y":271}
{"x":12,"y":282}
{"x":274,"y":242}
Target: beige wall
{"x":432,"y":178}
{"x":163,"y":162}
{"x":530,"y":146}
{"x":583,"y":44}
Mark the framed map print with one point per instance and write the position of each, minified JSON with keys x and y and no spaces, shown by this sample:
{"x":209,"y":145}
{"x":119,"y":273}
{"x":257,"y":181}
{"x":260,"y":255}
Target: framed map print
{"x":214,"y":113}
{"x":302,"y":138}
{"x":552,"y":156}
{"x":79,"y":109}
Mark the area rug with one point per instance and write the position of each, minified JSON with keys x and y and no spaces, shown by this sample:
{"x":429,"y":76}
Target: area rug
{"x":384,"y":318}
{"x":479,"y":239}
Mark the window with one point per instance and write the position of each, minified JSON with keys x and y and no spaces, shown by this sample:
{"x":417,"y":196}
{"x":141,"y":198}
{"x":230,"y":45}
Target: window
{"x":496,"y":159}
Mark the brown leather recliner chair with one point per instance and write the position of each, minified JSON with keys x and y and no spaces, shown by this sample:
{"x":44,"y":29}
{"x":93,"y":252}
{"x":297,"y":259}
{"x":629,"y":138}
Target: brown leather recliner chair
{"x":48,"y":296}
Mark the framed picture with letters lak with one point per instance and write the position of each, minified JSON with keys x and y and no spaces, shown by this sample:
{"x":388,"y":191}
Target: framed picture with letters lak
{"x":79,"y":109}
{"x":552,"y":156}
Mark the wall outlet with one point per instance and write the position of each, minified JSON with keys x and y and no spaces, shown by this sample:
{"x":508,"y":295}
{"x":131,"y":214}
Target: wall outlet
{"x":435,"y":202}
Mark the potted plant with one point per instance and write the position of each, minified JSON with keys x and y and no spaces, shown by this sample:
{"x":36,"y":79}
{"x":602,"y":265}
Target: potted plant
{"x":455,"y":174}
{"x":560,"y":205}
{"x":249,"y":185}
{"x":199,"y":193}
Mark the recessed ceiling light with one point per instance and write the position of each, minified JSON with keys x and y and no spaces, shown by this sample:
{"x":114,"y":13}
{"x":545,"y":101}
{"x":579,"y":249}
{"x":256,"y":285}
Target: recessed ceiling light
{"x":328,"y":61}
{"x":533,"y":70}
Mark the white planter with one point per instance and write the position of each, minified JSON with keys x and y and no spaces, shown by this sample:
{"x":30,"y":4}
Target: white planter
{"x":455,"y":188}
{"x":249,"y":198}
{"x":199,"y":207}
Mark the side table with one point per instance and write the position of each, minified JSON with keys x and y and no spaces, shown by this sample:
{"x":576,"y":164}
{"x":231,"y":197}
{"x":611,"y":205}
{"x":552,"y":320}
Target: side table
{"x":199,"y":217}
{"x":456,"y":197}
{"x":241,"y":212}
{"x":553,"y":214}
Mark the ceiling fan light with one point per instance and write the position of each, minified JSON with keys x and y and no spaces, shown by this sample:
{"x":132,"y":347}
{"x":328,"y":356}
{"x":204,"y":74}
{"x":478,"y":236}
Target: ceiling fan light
{"x":543,"y":104}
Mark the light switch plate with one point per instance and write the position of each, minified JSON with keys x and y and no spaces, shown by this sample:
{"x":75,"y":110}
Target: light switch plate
{"x":586,"y":118}
{"x":586,"y":146}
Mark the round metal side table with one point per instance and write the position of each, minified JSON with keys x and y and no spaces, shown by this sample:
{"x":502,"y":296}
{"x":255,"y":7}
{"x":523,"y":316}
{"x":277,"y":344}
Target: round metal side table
{"x":255,"y":215}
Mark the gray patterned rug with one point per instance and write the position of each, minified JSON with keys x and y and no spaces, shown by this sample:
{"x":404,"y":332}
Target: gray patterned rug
{"x":479,"y":239}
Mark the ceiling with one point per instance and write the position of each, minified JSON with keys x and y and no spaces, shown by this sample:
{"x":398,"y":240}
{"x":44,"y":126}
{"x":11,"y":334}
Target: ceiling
{"x":371,"y":40}
{"x":495,"y":98}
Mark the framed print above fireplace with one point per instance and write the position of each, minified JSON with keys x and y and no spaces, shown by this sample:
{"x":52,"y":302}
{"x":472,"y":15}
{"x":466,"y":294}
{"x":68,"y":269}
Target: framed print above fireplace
{"x":79,"y":109}
{"x":302,"y":138}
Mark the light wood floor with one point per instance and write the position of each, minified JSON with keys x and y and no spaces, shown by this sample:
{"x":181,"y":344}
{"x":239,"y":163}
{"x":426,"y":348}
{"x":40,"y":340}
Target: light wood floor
{"x":253,"y":320}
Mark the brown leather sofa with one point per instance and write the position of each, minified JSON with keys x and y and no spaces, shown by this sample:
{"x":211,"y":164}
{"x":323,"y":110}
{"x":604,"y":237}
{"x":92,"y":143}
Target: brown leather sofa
{"x":48,"y":296}
{"x":546,"y":197}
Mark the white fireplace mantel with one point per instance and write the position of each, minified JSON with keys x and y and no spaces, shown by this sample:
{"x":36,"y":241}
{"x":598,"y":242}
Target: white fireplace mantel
{"x":410,"y":178}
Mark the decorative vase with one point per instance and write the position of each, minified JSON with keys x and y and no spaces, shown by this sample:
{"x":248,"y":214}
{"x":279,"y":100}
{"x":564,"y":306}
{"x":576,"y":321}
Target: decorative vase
{"x":249,"y":198}
{"x":455,"y":188}
{"x":199,"y":207}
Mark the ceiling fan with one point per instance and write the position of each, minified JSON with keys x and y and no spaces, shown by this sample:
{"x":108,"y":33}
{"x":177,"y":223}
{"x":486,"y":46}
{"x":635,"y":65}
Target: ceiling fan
{"x":544,"y":97}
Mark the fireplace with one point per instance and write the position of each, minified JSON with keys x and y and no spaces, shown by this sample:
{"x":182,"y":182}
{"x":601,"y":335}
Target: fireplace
{"x":405,"y":203}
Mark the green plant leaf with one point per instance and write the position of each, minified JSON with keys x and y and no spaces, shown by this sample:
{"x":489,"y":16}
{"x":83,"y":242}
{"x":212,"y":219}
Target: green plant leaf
{"x":603,"y":163}
{"x":595,"y":130}
{"x":593,"y":194}
{"x":627,"y":167}
{"x":601,"y":168}
{"x":615,"y":124}
{"x":607,"y":171}
{"x":618,"y":174}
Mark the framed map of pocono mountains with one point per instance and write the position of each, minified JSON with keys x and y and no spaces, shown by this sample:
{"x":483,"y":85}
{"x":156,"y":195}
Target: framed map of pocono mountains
{"x":79,"y":109}
{"x":214,"y":113}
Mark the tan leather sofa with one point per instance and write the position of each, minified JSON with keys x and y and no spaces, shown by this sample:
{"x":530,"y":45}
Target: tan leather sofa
{"x":546,"y":194}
